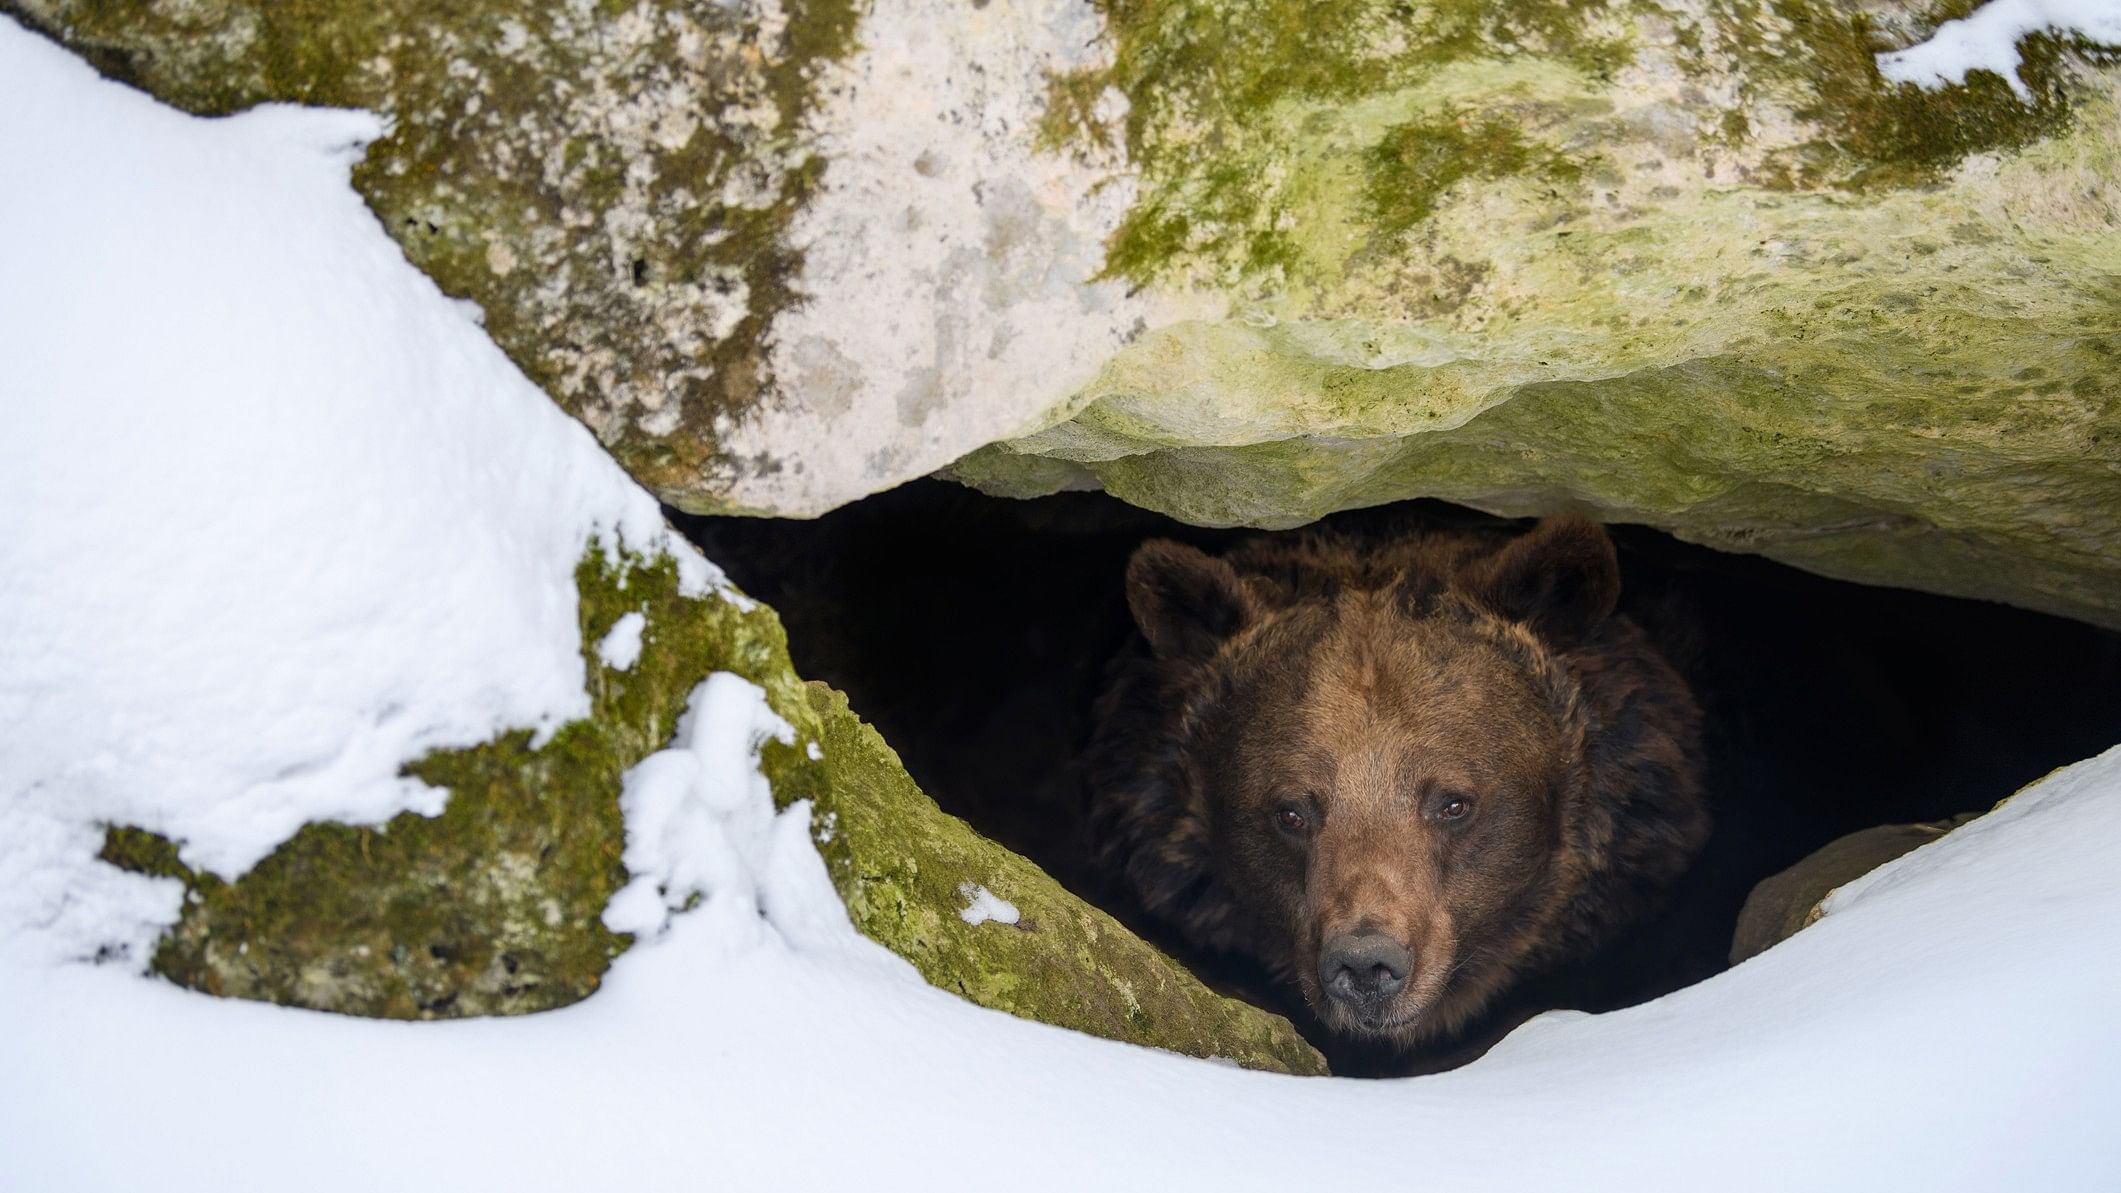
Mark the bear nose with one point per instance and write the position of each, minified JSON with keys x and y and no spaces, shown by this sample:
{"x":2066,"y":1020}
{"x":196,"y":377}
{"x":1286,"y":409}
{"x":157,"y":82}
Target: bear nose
{"x":1363,"y":970}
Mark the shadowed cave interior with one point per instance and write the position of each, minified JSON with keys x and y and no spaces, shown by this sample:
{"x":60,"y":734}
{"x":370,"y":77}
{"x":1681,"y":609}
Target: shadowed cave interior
{"x":974,"y":633}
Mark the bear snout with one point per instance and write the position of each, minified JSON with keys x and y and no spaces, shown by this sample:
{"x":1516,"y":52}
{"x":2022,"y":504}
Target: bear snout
{"x":1364,"y":971}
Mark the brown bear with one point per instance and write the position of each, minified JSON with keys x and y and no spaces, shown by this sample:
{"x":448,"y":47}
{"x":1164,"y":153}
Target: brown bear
{"x":1403,"y":774}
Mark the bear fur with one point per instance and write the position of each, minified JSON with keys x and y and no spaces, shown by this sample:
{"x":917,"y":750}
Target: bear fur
{"x":1404,"y":775}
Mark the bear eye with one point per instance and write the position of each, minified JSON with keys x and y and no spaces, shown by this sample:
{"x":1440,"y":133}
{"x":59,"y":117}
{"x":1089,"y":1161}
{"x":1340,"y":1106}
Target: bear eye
{"x":1454,"y":807}
{"x":1291,"y":819}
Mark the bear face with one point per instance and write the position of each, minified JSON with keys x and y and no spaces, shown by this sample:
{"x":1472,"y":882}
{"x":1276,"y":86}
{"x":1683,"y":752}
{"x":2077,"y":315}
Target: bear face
{"x":1403,"y":775}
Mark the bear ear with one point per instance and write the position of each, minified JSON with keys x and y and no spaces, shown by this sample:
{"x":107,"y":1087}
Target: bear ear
{"x":1187,"y":602}
{"x":1561,"y":578}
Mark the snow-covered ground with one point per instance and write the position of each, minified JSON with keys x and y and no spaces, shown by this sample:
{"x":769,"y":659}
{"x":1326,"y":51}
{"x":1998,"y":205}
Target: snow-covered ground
{"x":275,"y":516}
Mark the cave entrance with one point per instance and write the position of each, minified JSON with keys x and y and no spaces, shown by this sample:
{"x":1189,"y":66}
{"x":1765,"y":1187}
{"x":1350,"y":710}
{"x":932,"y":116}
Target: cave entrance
{"x":974,"y":633}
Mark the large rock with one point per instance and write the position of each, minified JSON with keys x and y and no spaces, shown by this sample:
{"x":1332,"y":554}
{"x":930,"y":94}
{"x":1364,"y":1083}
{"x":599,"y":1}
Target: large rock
{"x":1789,"y":901}
{"x":1696,"y":265}
{"x":1692,"y":265}
{"x":495,"y":906}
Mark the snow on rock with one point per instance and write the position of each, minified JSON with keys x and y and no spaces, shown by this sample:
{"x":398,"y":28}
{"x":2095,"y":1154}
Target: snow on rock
{"x":621,"y":646}
{"x":699,"y":815}
{"x":275,"y":516}
{"x":1988,"y":40}
{"x":705,"y":844}
{"x":983,"y":905}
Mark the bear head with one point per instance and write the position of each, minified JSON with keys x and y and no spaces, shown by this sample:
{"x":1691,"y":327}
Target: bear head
{"x":1402,"y":777}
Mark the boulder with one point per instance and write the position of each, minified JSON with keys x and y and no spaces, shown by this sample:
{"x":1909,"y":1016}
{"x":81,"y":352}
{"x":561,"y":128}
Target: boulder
{"x":496,"y":905}
{"x":1785,"y":903}
{"x":1696,"y":265}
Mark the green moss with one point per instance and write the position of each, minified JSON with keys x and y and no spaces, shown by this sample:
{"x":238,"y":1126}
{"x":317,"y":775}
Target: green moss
{"x":1416,"y":162}
{"x":143,"y":852}
{"x":1875,"y":133}
{"x":1070,"y":116}
{"x":1150,"y":236}
{"x":1735,"y":127}
{"x":1219,"y":90}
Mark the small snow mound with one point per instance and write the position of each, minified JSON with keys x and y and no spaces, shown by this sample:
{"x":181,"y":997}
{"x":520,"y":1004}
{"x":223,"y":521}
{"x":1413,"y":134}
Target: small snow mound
{"x":621,"y":648}
{"x":983,"y":905}
{"x":702,"y":836}
{"x":1988,"y":40}
{"x":699,"y":815}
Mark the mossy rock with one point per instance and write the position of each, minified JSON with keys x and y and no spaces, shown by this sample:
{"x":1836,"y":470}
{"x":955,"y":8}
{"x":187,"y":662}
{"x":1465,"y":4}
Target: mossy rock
{"x":1692,"y":264}
{"x":908,"y":872}
{"x":495,"y":906}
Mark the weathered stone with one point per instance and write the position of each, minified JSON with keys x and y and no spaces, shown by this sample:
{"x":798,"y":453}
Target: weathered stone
{"x":495,"y":906}
{"x":1250,"y":261}
{"x":1786,"y":903}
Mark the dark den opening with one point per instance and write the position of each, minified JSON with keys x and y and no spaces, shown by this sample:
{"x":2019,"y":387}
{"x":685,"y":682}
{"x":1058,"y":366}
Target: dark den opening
{"x":974,"y":632}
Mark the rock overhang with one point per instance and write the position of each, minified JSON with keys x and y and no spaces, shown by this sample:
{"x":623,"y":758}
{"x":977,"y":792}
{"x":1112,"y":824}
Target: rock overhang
{"x":1699,"y":266}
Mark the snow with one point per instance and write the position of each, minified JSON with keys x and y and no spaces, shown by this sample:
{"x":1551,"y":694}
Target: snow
{"x":983,"y":905}
{"x":1987,"y":40}
{"x":274,"y":517}
{"x":699,"y":815}
{"x":621,"y":647}
{"x":1948,"y":1025}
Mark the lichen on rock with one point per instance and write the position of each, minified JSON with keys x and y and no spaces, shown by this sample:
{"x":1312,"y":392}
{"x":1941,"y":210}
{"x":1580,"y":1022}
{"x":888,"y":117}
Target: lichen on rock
{"x":495,"y":905}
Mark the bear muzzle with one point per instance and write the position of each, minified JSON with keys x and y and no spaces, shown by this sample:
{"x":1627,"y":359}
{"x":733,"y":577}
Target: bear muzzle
{"x":1363,"y":972}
